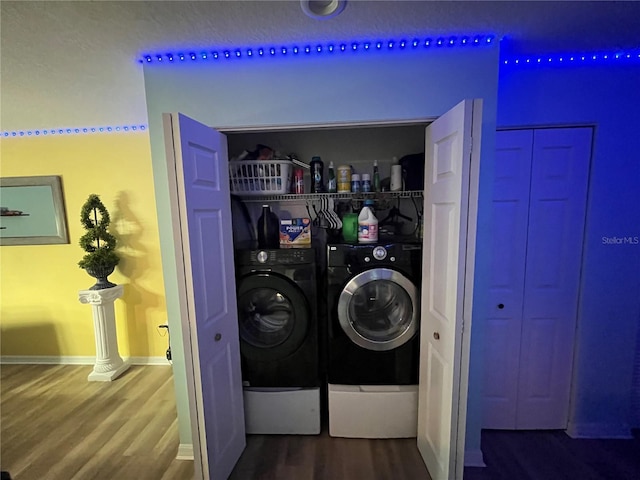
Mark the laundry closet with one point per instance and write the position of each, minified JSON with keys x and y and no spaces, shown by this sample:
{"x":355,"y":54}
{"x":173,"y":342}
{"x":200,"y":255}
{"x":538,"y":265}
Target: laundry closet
{"x":294,"y":336}
{"x":406,"y":95}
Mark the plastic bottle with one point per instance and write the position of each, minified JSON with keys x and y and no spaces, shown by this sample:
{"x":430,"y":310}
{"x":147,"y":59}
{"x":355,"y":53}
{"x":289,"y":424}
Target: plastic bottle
{"x":355,"y":183}
{"x":344,"y":178}
{"x":366,"y":183}
{"x":298,"y":185}
{"x":268,"y":229}
{"x":332,"y":186}
{"x":367,"y":224}
{"x":376,"y":177}
{"x":317,"y":173}
{"x":396,"y":176}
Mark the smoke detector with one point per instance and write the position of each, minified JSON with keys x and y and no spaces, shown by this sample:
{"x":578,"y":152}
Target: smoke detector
{"x":322,"y":9}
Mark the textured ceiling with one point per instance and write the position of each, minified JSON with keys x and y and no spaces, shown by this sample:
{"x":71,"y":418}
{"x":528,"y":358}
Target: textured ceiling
{"x":74,"y":63}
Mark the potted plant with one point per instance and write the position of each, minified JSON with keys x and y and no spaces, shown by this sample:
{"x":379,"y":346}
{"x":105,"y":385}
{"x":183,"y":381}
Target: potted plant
{"x":100,"y":260}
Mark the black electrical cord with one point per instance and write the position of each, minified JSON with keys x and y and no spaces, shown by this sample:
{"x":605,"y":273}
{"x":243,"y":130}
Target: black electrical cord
{"x":419,"y":219}
{"x":168,"y":353}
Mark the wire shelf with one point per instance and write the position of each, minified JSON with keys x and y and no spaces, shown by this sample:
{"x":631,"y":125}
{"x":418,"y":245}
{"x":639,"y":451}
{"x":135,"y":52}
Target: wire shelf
{"x":293,"y":197}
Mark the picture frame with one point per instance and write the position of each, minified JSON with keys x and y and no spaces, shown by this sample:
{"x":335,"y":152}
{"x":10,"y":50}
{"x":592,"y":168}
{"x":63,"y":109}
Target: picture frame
{"x":32,"y":211}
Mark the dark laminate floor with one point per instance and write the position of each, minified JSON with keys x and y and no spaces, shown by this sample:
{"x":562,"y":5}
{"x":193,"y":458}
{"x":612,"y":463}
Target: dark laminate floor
{"x":321,"y":457}
{"x":552,"y":455}
{"x":510,"y":455}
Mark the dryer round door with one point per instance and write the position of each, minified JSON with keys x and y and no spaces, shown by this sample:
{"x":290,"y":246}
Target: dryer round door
{"x":273,"y":316}
{"x":378,"y":309}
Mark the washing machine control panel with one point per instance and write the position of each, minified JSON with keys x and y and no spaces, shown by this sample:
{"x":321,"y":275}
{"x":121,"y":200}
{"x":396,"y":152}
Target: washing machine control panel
{"x":401,"y":255}
{"x":379,"y":253}
{"x":280,"y":256}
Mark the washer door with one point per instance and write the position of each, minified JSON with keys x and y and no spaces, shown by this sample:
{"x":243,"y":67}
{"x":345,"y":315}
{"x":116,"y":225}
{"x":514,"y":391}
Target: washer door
{"x":378,"y":309}
{"x":273,"y":316}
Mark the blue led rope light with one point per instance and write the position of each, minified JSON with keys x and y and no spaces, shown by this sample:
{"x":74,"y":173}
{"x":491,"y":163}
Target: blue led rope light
{"x":330,"y":48}
{"x":613,"y":57}
{"x":72,"y":131}
{"x":317,"y":48}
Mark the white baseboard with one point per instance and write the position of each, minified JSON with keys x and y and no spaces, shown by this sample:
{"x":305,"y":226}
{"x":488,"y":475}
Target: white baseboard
{"x":74,"y":360}
{"x":146,"y":360}
{"x":44,"y":360}
{"x":474,"y":458}
{"x":599,"y":430}
{"x":185,"y":452}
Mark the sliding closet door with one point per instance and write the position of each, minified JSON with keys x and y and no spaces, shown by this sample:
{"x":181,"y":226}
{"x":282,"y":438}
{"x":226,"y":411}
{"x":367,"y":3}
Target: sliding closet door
{"x":540,"y":191}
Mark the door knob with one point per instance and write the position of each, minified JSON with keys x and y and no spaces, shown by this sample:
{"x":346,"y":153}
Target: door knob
{"x":217,"y":337}
{"x":501,"y":306}
{"x":436,"y":335}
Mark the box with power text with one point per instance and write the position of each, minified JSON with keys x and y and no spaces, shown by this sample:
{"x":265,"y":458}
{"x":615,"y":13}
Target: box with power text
{"x":295,"y":231}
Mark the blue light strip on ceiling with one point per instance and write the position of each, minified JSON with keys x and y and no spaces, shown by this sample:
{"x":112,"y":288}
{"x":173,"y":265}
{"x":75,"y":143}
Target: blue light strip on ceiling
{"x":73,"y":131}
{"x":610,"y":58}
{"x":317,"y":48}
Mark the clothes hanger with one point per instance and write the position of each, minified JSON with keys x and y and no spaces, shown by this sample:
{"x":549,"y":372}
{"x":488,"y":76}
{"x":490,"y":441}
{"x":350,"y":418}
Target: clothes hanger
{"x":393,"y":216}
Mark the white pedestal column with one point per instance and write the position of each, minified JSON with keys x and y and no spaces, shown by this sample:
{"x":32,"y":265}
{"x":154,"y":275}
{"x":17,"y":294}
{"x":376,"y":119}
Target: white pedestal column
{"x":109,"y":363}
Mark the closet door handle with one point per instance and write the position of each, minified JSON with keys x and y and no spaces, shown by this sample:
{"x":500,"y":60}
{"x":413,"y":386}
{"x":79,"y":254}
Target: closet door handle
{"x":436,"y":335}
{"x":501,"y":306}
{"x":217,"y":337}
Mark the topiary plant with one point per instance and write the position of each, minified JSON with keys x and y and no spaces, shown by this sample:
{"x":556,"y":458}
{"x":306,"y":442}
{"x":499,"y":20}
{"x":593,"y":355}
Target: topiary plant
{"x":99,"y":244}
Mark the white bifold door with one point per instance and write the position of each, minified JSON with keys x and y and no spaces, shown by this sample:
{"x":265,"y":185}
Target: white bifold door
{"x":539,"y":202}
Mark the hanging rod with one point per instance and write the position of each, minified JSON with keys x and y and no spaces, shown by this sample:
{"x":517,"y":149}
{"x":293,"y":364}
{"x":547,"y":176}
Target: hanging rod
{"x":296,"y":197}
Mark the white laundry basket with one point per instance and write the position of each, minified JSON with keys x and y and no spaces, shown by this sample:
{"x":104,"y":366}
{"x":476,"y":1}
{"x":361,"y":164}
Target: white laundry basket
{"x":260,"y":177}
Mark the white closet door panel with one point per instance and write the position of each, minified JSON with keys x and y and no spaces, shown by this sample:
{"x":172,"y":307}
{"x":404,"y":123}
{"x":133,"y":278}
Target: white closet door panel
{"x":199,"y":176}
{"x":503,"y":320}
{"x":451,"y":179}
{"x":559,"y":179}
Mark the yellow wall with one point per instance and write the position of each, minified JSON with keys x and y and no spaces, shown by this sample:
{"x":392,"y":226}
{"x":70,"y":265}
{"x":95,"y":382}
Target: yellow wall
{"x":40,"y":314}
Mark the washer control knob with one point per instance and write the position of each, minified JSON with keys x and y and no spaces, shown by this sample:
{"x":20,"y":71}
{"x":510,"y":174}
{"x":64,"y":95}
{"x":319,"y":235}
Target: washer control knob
{"x":367,"y":259}
{"x":379,"y":253}
{"x":392,"y":259}
{"x":262,"y":256}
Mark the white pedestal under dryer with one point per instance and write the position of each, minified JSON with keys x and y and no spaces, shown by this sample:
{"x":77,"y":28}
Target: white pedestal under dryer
{"x":373,"y":295}
{"x":278,"y":327}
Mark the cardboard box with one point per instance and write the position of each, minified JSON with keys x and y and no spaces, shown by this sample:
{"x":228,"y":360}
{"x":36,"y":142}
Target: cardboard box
{"x":295,"y":231}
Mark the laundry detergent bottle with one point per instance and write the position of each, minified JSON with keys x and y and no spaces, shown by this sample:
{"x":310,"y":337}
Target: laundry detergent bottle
{"x":268,"y":229}
{"x":367,"y":224}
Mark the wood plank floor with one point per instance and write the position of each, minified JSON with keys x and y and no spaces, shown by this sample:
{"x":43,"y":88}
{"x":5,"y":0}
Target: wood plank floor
{"x":55,"y":425}
{"x":321,"y":457}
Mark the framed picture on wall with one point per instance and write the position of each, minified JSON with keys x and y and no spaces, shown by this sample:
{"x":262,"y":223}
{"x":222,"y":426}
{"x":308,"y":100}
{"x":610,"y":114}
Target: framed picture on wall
{"x":32,"y":211}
